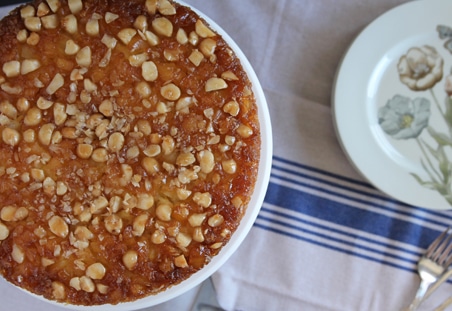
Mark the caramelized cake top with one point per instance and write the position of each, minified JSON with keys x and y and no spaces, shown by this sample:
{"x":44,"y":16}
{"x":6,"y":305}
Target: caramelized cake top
{"x":129,"y":147}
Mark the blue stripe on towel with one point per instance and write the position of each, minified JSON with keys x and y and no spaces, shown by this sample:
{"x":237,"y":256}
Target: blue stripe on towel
{"x":342,"y":201}
{"x":342,"y":250}
{"x":345,"y":215}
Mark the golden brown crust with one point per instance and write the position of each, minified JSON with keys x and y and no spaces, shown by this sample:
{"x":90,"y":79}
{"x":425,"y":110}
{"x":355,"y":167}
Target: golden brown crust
{"x":129,"y":148}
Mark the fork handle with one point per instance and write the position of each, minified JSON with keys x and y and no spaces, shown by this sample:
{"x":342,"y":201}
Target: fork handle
{"x":423,"y":287}
{"x":444,"y":305}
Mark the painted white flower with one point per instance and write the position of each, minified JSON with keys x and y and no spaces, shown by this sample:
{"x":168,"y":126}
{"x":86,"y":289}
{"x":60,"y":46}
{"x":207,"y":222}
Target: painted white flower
{"x":421,"y":68}
{"x":403,"y":118}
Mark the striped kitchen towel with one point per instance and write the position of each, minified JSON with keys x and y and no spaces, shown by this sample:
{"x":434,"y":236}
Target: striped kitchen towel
{"x":327,"y":242}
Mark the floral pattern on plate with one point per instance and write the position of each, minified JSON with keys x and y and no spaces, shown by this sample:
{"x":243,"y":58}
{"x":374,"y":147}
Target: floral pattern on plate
{"x":407,"y":118}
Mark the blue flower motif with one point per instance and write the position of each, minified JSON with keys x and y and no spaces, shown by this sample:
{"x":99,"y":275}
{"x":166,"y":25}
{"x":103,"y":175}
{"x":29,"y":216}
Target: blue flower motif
{"x":403,"y":118}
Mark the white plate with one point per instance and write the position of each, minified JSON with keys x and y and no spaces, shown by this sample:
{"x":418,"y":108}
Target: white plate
{"x":368,"y":79}
{"x":248,"y":219}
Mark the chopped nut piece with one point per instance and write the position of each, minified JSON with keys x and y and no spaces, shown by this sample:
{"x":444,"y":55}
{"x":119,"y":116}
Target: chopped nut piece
{"x":180,"y":261}
{"x":18,"y":254}
{"x":151,"y":6}
{"x":150,"y":165}
{"x":152,"y":150}
{"x":183,"y":194}
{"x":27,"y":11}
{"x":92,"y":27}
{"x":130,"y":259}
{"x":193,"y":38}
{"x":43,"y":9}
{"x":83,"y":57}
{"x":203,"y":199}
{"x":75,"y":6}
{"x":126,"y":35}
{"x":8,"y":213}
{"x":196,"y":220}
{"x":99,"y":155}
{"x":96,"y":271}
{"x":10,"y":136}
{"x":106,"y":108}
{"x":162,"y":26}
{"x":244,"y":131}
{"x":139,"y":224}
{"x":84,"y":151}
{"x":183,"y":239}
{"x":158,"y":237}
{"x":198,"y":235}
{"x":113,"y":224}
{"x":109,"y":41}
{"x":168,"y":145}
{"x":22,"y":35}
{"x":75,"y":283}
{"x":163,"y":212}
{"x":33,"y":23}
{"x":4,"y":232}
{"x":202,"y":30}
{"x":181,"y":36}
{"x":145,"y":201}
{"x":33,"y":117}
{"x":215,"y":220}
{"x":59,"y":113}
{"x":58,"y":226}
{"x":206,"y":161}
{"x":54,"y":5}
{"x":58,"y":290}
{"x":110,"y":17}
{"x":70,"y":24}
{"x":141,"y":23}
{"x":56,"y":83}
{"x":229,"y":166}
{"x":196,"y":57}
{"x":165,"y":7}
{"x":133,"y":153}
{"x":144,"y":89}
{"x":11,"y":68}
{"x":86,"y":284}
{"x":152,"y":39}
{"x":37,"y":174}
{"x":45,"y":133}
{"x":71,"y":48}
{"x":50,"y":21}
{"x":232,"y":108}
{"x":33,"y":39}
{"x":229,"y":76}
{"x":149,"y":71}
{"x":22,"y":104}
{"x":49,"y":186}
{"x":170,"y":92}
{"x":185,"y":159}
{"x":138,"y":59}
{"x":215,"y":84}
{"x":99,"y":205}
{"x":29,"y":65}
{"x":82,"y":233}
{"x":43,"y":103}
{"x":207,"y":47}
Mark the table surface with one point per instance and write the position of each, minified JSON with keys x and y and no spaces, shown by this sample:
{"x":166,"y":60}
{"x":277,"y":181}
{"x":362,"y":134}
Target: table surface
{"x":325,"y":239}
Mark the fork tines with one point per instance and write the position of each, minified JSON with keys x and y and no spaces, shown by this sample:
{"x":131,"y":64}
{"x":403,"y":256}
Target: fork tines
{"x":441,"y":249}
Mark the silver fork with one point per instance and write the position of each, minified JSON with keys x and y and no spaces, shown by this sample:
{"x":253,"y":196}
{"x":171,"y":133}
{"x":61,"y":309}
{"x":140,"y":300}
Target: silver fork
{"x":432,"y":265}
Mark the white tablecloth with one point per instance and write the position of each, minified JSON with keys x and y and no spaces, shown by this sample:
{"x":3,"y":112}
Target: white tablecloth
{"x":325,"y":239}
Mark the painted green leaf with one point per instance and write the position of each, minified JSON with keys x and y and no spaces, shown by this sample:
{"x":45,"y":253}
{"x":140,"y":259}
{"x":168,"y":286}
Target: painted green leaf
{"x":440,"y":138}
